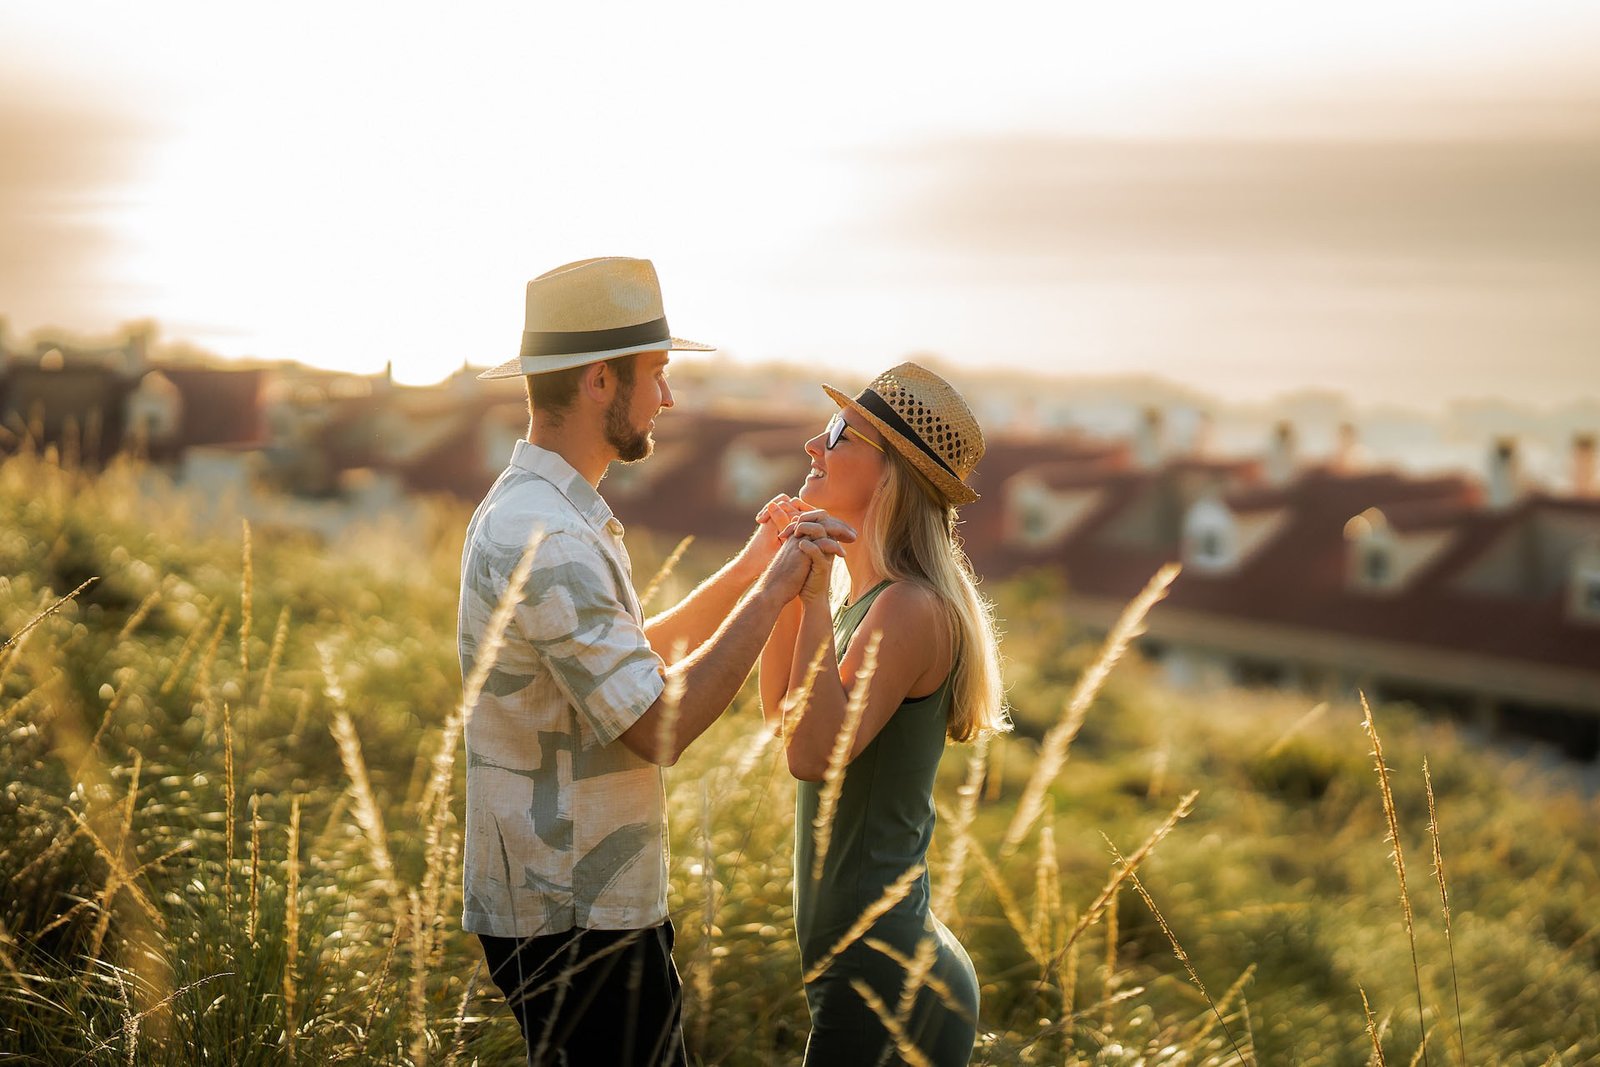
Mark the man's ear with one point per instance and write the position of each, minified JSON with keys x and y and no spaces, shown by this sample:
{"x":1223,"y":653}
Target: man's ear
{"x":598,"y":382}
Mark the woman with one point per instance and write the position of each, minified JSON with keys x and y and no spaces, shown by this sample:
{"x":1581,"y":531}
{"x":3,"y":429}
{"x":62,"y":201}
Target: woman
{"x":893,"y":463}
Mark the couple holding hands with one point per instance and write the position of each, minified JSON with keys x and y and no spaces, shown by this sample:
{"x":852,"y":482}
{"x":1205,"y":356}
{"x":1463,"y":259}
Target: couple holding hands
{"x":565,"y":856}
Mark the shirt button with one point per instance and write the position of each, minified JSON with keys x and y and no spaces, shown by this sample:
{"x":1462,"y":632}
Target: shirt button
{"x":614,"y":527}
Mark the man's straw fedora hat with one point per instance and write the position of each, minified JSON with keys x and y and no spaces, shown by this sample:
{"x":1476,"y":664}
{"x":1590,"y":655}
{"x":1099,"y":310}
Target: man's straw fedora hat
{"x":591,"y":310}
{"x":922,"y":417}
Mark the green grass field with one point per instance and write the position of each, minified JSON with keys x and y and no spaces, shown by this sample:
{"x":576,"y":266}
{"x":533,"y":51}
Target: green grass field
{"x":229,"y":833}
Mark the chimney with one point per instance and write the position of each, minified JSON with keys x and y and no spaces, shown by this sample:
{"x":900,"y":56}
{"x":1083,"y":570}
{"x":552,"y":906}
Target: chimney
{"x":1505,"y":475}
{"x":1280,"y":458}
{"x":1344,"y":450}
{"x":1583,"y":466}
{"x":1148,"y":443}
{"x":1203,"y":442}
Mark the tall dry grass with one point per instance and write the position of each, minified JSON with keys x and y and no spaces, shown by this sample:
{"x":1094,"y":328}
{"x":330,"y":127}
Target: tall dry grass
{"x":137,"y":712}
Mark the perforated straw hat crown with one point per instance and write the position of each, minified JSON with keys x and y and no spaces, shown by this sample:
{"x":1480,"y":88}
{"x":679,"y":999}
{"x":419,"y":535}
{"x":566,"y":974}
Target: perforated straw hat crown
{"x":591,"y":310}
{"x":922,"y":417}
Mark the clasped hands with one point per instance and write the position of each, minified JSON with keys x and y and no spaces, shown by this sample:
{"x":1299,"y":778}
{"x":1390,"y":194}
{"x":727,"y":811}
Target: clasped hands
{"x":804,"y":542}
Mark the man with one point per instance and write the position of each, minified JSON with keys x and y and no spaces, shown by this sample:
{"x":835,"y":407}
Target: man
{"x":566,"y":837}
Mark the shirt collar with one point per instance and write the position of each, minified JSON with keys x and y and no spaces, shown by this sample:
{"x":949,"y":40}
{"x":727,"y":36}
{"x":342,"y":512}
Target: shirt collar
{"x":542,"y":463}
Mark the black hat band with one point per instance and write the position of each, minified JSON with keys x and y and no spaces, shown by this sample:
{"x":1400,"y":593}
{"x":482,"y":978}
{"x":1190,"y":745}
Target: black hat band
{"x":574,"y":342}
{"x":878,"y":406}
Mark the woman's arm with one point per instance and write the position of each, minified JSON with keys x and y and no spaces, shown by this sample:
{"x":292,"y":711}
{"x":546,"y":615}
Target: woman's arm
{"x":776,"y":658}
{"x":914,"y":646}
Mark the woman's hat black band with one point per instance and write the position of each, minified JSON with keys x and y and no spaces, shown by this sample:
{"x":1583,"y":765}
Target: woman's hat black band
{"x":572,"y":342}
{"x":876,"y":404}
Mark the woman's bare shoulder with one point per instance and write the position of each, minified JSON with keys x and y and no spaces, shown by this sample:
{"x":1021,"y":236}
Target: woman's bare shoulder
{"x":913,"y":607}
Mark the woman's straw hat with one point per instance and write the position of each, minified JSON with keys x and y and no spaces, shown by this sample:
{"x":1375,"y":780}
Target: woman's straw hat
{"x":925,"y":420}
{"x":591,"y":310}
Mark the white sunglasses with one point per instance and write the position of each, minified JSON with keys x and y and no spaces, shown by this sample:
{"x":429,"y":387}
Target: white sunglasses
{"x":837,"y":428}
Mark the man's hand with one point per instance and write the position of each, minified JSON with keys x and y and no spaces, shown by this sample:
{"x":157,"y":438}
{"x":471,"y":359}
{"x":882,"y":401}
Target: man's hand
{"x":773,"y":517}
{"x":820,"y":538}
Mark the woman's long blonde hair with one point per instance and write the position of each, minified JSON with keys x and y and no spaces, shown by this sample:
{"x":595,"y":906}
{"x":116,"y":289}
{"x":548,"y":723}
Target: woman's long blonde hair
{"x":911,"y":537}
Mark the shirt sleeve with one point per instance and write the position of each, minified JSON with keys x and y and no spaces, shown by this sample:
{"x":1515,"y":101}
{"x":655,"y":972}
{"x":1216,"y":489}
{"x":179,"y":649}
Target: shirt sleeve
{"x":596,"y":650}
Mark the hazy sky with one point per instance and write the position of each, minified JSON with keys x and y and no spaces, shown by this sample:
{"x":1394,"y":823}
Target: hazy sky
{"x":1401,"y":200}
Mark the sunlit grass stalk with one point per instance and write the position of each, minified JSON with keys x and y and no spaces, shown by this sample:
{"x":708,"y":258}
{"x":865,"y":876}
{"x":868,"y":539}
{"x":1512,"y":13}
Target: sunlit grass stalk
{"x":1393,"y":821}
{"x":247,"y":587}
{"x":703,"y":983}
{"x":421,"y":935}
{"x":1444,"y":904}
{"x":892,"y":894}
{"x":957,"y":832}
{"x":1131,"y":864}
{"x":1113,"y":919}
{"x":902,"y":1043}
{"x":490,"y":642}
{"x":1067,"y":972}
{"x":116,"y":862}
{"x":839,"y":756}
{"x":40,"y":694}
{"x":795,"y":704}
{"x":1053,"y":749}
{"x":665,"y":572}
{"x":202,"y":683}
{"x":929,"y":980}
{"x":672,"y":701}
{"x":751,"y":755}
{"x":1046,"y":890}
{"x":368,"y":815}
{"x":139,"y":614}
{"x":1219,"y":1010}
{"x":1183,"y":958}
{"x":1009,"y":907}
{"x":375,"y":994}
{"x":45,"y":614}
{"x":100,"y":731}
{"x":196,"y":634}
{"x":279,"y":637}
{"x":255,"y":870}
{"x":229,"y":800}
{"x":460,"y":1040}
{"x":1299,"y":724}
{"x":1372,"y":1029}
{"x":916,"y":971}
{"x":8,"y":961}
{"x":291,"y":933}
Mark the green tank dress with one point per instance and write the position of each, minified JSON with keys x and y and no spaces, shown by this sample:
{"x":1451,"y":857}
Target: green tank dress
{"x":881,"y":827}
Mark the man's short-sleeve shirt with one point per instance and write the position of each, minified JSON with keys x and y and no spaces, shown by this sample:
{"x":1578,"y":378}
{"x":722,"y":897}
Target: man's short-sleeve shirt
{"x":566,"y":827}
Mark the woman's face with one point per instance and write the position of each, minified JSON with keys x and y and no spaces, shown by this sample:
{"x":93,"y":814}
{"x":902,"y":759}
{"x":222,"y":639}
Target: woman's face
{"x":844,"y":476}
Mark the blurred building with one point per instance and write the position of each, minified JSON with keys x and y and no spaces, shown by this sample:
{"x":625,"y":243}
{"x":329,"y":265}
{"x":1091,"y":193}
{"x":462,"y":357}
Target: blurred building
{"x":1480,"y":598}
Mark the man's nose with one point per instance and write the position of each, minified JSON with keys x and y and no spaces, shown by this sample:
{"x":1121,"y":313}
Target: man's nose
{"x":666,"y":395}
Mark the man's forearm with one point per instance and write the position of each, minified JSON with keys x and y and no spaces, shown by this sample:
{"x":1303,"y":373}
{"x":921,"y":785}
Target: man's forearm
{"x":690,"y":623}
{"x":706,"y":681}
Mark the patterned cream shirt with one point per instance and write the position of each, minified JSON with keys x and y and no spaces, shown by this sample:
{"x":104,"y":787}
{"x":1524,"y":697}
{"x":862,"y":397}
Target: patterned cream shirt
{"x":566,"y":827}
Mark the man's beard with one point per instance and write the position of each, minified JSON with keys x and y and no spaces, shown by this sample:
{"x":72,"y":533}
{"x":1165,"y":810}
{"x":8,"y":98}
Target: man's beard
{"x":631,"y":445}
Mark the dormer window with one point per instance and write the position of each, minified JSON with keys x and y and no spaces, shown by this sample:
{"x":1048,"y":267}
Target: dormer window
{"x":1371,"y":551}
{"x":1584,"y":599}
{"x":1210,"y":537}
{"x":1375,"y":567}
{"x":1034,"y":525}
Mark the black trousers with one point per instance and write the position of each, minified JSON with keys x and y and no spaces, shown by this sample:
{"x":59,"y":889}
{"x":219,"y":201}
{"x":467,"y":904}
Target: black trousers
{"x":593,"y":998}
